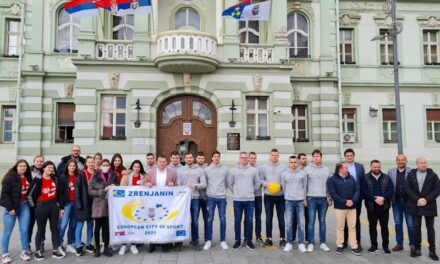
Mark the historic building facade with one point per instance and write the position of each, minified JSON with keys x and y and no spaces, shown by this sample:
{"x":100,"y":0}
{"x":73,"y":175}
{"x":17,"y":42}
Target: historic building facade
{"x":206,"y":83}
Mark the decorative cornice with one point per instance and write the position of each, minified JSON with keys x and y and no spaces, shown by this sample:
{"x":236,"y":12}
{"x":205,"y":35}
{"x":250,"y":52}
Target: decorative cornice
{"x":386,"y":20}
{"x":349,"y":19}
{"x":13,"y":9}
{"x":431,"y":21}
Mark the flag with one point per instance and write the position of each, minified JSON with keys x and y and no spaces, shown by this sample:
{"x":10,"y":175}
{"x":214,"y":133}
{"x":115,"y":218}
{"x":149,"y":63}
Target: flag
{"x":124,"y":7}
{"x":81,"y":8}
{"x":245,"y":10}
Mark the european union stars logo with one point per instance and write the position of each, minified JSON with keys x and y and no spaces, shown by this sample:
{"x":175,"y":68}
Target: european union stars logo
{"x":180,"y":233}
{"x":118,"y":193}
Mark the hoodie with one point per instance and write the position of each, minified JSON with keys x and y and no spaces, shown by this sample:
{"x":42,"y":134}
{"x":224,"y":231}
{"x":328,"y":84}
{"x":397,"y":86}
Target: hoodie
{"x":243,"y":182}
{"x":258,"y":192}
{"x":294,"y":184}
{"x":192,"y":174}
{"x":271,"y":172}
{"x":317,"y":176}
{"x":216,"y":181}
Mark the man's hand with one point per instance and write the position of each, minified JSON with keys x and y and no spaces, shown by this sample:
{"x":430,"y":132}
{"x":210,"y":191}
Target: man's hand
{"x":349,"y":203}
{"x":330,"y":202}
{"x":191,"y":185}
{"x":61,"y":213}
{"x":379,"y":200}
{"x":305,"y":203}
{"x":170,"y":184}
{"x":421,"y":202}
{"x":12,"y":212}
{"x":149,"y":185}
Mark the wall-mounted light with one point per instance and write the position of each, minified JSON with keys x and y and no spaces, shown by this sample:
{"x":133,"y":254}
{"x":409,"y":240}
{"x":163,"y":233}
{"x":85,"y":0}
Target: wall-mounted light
{"x":232,"y":108}
{"x":372,"y":112}
{"x":137,"y":123}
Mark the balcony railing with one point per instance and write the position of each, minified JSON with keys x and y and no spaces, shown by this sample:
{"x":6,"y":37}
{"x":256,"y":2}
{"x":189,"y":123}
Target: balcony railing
{"x":186,"y":42}
{"x":250,"y":54}
{"x":114,"y":51}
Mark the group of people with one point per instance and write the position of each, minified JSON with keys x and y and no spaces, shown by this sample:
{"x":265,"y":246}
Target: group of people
{"x":74,"y":194}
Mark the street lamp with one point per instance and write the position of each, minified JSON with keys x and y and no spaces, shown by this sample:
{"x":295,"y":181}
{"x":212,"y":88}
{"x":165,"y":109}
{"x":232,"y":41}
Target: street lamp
{"x":397,"y":27}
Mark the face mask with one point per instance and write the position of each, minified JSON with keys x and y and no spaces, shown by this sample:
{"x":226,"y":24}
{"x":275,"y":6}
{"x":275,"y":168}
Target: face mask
{"x":104,"y":169}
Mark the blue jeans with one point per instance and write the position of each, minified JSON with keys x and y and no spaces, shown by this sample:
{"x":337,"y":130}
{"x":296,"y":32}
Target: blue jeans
{"x":399,"y":209}
{"x":278,"y":202}
{"x":248,"y":208}
{"x":221,"y":205}
{"x":294,"y":210}
{"x":258,"y":211}
{"x":68,"y":219}
{"x":205,"y":215}
{"x":314,"y":205}
{"x":23,"y":215}
{"x":78,"y":232}
{"x":195,"y":210}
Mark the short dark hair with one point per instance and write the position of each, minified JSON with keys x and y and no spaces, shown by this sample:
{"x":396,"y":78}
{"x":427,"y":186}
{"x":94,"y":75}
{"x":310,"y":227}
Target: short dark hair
{"x":105,"y":160}
{"x":338,"y":167}
{"x":252,"y":153}
{"x":293,"y":157}
{"x":274,"y":150}
{"x":317,"y":151}
{"x":374,"y":161}
{"x":215,"y":152}
{"x":302,"y":154}
{"x":161,"y":156}
{"x":349,"y":150}
{"x":99,"y":154}
{"x":150,"y":154}
{"x":189,"y":153}
{"x":174,"y":153}
{"x":200,"y":154}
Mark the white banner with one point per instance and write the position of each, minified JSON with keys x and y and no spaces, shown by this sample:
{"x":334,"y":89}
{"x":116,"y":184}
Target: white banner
{"x":144,"y":215}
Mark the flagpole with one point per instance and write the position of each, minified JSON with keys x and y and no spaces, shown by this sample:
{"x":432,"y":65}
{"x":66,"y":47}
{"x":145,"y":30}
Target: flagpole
{"x":270,"y":15}
{"x":102,"y":24}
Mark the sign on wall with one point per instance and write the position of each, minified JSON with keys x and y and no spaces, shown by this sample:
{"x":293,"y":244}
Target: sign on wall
{"x":187,"y":129}
{"x":233,"y":141}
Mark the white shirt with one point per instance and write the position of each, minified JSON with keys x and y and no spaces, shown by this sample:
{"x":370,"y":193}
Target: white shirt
{"x":161,"y":177}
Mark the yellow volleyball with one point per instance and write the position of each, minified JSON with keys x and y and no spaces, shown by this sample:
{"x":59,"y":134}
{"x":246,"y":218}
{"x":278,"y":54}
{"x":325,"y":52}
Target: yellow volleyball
{"x":273,"y":187}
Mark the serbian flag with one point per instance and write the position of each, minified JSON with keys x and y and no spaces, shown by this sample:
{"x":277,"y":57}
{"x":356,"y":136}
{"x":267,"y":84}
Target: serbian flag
{"x":81,"y":8}
{"x":245,"y":10}
{"x":125,"y":7}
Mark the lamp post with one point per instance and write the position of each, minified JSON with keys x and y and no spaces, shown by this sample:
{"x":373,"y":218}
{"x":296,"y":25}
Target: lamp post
{"x":137,"y":123}
{"x":390,"y":7}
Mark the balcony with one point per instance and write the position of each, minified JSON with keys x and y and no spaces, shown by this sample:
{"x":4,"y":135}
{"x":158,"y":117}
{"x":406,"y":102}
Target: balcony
{"x":114,"y":50}
{"x":256,"y":54}
{"x":186,"y":52}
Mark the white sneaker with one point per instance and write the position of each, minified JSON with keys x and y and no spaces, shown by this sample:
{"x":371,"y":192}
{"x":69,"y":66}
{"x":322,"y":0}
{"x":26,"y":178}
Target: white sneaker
{"x":134,"y":249}
{"x":61,"y":251}
{"x":223,"y":245}
{"x":25,"y":256}
{"x":70,"y":249}
{"x":207,"y":245}
{"x":122,"y":250}
{"x":310,"y":248}
{"x":288,"y":247}
{"x":6,"y":259}
{"x":302,"y":248}
{"x":324,"y":247}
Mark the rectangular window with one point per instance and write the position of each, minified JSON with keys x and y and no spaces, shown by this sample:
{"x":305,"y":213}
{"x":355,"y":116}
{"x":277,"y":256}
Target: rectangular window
{"x":349,"y":124}
{"x":249,"y":32}
{"x":389,"y":125}
{"x":433,"y":124}
{"x":386,"y":47}
{"x":65,"y":123}
{"x":114,"y":113}
{"x":257,"y":117}
{"x":347,"y":46}
{"x":300,"y":123}
{"x":431,"y":47}
{"x":8,"y":117}
{"x":12,"y":37}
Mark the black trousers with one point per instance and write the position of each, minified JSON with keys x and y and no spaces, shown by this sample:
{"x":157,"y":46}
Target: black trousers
{"x":429,"y":221}
{"x":378,"y":214}
{"x":204,"y":208}
{"x":306,"y":223}
{"x":358,"y":226}
{"x":102,"y":223}
{"x":47,"y":211}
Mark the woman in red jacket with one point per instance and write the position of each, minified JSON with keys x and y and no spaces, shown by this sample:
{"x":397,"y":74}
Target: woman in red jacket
{"x":116,"y":165}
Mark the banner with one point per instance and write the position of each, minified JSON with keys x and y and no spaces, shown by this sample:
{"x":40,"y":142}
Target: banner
{"x":143,"y":215}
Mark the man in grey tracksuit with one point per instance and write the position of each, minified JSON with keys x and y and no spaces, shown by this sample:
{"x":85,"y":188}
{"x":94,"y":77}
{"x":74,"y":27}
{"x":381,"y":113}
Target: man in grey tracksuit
{"x":175,"y":162}
{"x":193,"y":177}
{"x":271,"y":172}
{"x":243,"y":180}
{"x":216,"y":186}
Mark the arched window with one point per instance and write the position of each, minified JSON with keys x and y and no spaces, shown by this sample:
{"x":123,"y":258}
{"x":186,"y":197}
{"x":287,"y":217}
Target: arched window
{"x":67,"y":32}
{"x":123,"y":27}
{"x":298,"y":35}
{"x":249,"y":32}
{"x":187,"y":18}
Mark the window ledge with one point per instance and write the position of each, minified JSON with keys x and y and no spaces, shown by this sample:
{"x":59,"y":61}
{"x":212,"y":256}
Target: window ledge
{"x":258,"y":138}
{"x":301,"y":140}
{"x":67,"y":141}
{"x":114,"y":138}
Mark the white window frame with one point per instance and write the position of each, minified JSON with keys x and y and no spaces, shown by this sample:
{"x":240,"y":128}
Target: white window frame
{"x":113,"y":111}
{"x":123,"y":25}
{"x":297,"y":31}
{"x":187,"y":12}
{"x":72,"y":38}
{"x":429,"y":44}
{"x":344,"y":42}
{"x":4,"y":119}
{"x":431,"y":132}
{"x":256,"y":112}
{"x":296,"y":119}
{"x":12,"y":33}
{"x":387,"y":134}
{"x":346,"y":121}
{"x":246,"y":29}
{"x":386,"y":42}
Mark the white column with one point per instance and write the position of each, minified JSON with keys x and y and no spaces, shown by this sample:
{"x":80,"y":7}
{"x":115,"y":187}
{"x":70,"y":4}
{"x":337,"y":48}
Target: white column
{"x":219,"y":20}
{"x":155,"y":16}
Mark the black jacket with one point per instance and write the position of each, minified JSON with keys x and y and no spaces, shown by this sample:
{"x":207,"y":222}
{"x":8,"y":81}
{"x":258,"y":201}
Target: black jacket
{"x":34,"y":193}
{"x":63,"y":183}
{"x":342,"y":189}
{"x":430,"y":191}
{"x":63,"y":163}
{"x":83,"y":201}
{"x":10,"y":197}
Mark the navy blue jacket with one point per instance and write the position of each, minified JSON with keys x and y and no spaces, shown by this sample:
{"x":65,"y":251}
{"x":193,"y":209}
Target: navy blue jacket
{"x":386,"y":190}
{"x":342,"y":189}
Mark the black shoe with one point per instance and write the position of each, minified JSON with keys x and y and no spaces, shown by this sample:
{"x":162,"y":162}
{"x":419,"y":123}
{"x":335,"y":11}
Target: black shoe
{"x":236,"y":245}
{"x":97,"y":253}
{"x":268,"y":243}
{"x":152,"y":248}
{"x":339,"y":250}
{"x":195,"y":245}
{"x":80,"y":252}
{"x":250,"y":245}
{"x":360,"y":248}
{"x":165,"y":248}
{"x":57,"y":255}
{"x":344,"y":246}
{"x":90,"y":249}
{"x":433,"y":256}
{"x":282,"y":243}
{"x":387,"y":251}
{"x":413,"y":252}
{"x":38,"y":256}
{"x":29,"y":250}
{"x":178,"y":246}
{"x":356,"y":252}
{"x":372,"y":249}
{"x":107,"y":252}
{"x":259,"y":241}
